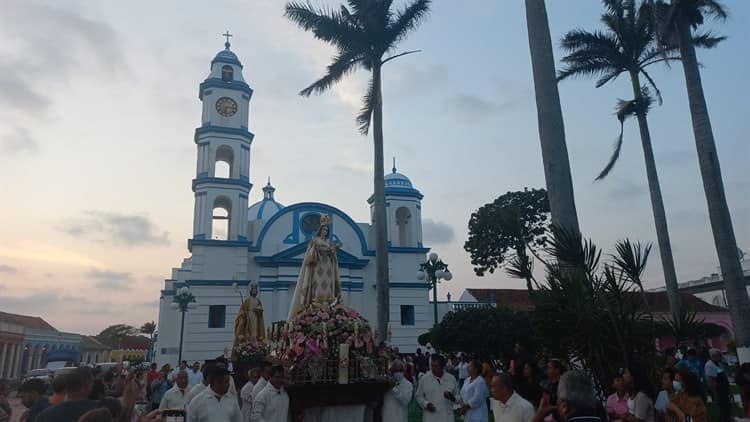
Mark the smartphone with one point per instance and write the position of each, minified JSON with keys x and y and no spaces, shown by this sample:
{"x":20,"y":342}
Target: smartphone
{"x":141,"y":408}
{"x":174,"y":415}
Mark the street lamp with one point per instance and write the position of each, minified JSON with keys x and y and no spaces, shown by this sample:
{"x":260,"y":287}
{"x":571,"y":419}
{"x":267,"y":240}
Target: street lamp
{"x":434,"y":270}
{"x":182,"y":301}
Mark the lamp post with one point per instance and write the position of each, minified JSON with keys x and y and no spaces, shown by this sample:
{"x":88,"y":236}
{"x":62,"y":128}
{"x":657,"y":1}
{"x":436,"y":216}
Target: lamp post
{"x":182,"y":301}
{"x":434,"y":270}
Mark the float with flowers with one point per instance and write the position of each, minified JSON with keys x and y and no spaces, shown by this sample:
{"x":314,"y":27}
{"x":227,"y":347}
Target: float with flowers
{"x":328,"y":344}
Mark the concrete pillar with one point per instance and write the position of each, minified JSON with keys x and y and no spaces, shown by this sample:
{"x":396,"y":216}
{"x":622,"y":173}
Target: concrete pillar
{"x":3,"y":354}
{"x":17,"y":367}
{"x":27,"y":352}
{"x":10,"y":368}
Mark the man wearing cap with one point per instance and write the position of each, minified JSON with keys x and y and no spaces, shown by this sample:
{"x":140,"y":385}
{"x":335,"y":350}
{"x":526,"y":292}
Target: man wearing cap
{"x":32,"y":396}
{"x":215,"y":403}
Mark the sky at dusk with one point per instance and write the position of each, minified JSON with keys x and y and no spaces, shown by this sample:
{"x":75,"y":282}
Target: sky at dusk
{"x":99,"y":101}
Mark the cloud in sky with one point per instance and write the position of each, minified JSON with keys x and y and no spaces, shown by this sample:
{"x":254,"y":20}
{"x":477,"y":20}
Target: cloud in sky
{"x":437,"y":231}
{"x":7,"y":269}
{"x":19,"y":141}
{"x":112,"y":280}
{"x":122,"y":229}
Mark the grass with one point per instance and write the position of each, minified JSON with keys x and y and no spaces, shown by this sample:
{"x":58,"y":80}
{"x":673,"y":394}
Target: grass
{"x":415,"y":413}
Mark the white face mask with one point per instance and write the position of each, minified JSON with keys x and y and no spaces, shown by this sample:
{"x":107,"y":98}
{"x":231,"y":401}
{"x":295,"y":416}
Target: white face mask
{"x":398,"y":376}
{"x":677,"y":386}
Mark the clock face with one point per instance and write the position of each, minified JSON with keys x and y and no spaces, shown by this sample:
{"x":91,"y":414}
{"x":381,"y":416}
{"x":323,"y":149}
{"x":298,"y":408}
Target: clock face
{"x":226,"y":106}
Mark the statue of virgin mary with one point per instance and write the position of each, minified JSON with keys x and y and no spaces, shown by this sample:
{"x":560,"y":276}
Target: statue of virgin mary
{"x":318,"y":279}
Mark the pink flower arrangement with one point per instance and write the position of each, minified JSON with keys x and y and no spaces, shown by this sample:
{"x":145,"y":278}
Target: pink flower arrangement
{"x":317,"y":331}
{"x":251,"y":350}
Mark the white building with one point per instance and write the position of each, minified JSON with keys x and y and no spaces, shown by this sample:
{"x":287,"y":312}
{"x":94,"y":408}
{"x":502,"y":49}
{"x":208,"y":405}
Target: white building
{"x":264,"y":243}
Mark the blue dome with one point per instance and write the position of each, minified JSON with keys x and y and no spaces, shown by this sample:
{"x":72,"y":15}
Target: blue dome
{"x":397,"y":179}
{"x":226,"y":56}
{"x":265,"y":208}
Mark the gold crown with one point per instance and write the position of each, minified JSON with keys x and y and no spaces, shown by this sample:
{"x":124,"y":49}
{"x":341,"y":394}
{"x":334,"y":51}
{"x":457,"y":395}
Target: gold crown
{"x":325,"y":220}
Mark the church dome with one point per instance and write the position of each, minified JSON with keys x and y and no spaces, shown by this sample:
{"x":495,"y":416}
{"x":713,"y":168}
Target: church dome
{"x":265,"y":208}
{"x":397,"y":179}
{"x":226,"y":56}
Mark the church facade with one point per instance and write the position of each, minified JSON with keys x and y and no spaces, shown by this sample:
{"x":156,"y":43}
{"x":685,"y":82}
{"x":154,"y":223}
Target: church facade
{"x":235,"y":243}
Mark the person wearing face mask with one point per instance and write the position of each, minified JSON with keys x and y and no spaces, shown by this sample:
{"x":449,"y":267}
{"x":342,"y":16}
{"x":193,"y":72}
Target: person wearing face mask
{"x":396,"y":400}
{"x":689,"y":401}
{"x":669,"y":387}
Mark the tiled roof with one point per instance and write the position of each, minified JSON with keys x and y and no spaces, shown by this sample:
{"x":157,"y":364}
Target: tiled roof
{"x":519,"y":299}
{"x":135,"y":343}
{"x":26,"y":321}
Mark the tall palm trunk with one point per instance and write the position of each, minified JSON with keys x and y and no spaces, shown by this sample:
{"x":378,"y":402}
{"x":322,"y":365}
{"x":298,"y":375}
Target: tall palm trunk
{"x":713,"y":185}
{"x":381,"y":225}
{"x":657,"y":204}
{"x":550,"y":119}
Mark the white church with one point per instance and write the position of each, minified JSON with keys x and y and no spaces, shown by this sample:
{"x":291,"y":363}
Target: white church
{"x":234,"y":242}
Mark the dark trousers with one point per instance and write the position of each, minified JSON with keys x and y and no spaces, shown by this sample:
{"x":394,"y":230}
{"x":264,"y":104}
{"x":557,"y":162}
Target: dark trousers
{"x":724,"y":405}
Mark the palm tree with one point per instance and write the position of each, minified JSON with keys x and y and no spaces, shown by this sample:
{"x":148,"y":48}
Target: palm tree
{"x":628,"y":45}
{"x":549,"y":118}
{"x":678,"y":19}
{"x":363,"y":34}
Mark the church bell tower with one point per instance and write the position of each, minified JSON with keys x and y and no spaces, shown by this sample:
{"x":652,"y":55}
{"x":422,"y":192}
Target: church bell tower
{"x":222,"y":181}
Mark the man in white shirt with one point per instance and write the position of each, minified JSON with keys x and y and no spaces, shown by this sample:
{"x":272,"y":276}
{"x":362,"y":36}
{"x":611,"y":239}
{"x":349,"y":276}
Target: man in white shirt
{"x":718,"y":385}
{"x":195,"y":376}
{"x":265,"y":372}
{"x":198,"y":388}
{"x":172,"y":374}
{"x":174,"y":398}
{"x":437,"y":393}
{"x":272,"y":404}
{"x":507,"y":405}
{"x":396,"y":400}
{"x":246,"y":394}
{"x":215,"y":404}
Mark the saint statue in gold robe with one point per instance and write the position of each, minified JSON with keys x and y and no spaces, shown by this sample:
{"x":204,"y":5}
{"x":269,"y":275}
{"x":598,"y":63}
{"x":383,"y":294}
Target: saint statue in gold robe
{"x":249,"y":324}
{"x":318,"y":279}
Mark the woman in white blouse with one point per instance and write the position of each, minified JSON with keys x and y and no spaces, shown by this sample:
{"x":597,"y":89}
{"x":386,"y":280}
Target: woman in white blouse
{"x":474,"y":394}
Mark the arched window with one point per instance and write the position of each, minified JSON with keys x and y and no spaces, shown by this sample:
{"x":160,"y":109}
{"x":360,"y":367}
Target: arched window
{"x":227,"y":73}
{"x":221,"y":218}
{"x":224,"y":162}
{"x":403,"y":215}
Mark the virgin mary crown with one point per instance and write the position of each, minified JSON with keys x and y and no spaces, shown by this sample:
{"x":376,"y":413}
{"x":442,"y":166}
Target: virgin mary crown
{"x":325,"y":220}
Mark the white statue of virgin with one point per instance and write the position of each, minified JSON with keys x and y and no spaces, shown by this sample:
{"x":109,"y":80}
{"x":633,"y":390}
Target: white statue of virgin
{"x":318,"y":279}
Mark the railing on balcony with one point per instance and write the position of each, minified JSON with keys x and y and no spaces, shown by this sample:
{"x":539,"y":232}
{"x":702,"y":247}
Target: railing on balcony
{"x":460,"y":306}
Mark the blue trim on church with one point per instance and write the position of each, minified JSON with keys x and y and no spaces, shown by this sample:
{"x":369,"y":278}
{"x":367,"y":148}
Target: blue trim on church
{"x":218,"y":83}
{"x":314,"y":207}
{"x":221,"y":181}
{"x":400,"y":285}
{"x":399,"y":192}
{"x":213,"y":242}
{"x":212,"y":130}
{"x":394,"y":249}
{"x":288,"y":258}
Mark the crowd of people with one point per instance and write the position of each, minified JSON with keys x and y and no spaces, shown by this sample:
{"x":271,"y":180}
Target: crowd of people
{"x":523,"y":390}
{"x":199,"y":393}
{"x":443,"y":386}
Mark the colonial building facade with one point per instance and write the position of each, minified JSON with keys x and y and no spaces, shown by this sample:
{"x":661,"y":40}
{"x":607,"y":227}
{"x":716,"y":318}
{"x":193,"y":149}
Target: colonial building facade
{"x":233,"y":243}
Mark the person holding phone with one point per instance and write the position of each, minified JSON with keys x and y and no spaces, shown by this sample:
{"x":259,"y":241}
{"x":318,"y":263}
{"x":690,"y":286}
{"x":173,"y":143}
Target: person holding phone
{"x":437,"y":392}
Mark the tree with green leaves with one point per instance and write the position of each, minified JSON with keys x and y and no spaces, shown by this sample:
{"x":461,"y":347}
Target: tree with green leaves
{"x":148,"y":328}
{"x":365,"y":34}
{"x":485,"y":331}
{"x":589,"y":311}
{"x":501,"y":232}
{"x":677,"y":21}
{"x":628,"y":45}
{"x":549,"y":118}
{"x":113,"y":335}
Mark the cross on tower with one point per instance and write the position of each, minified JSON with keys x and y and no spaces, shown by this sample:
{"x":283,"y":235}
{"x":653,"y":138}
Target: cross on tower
{"x":228,"y":35}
